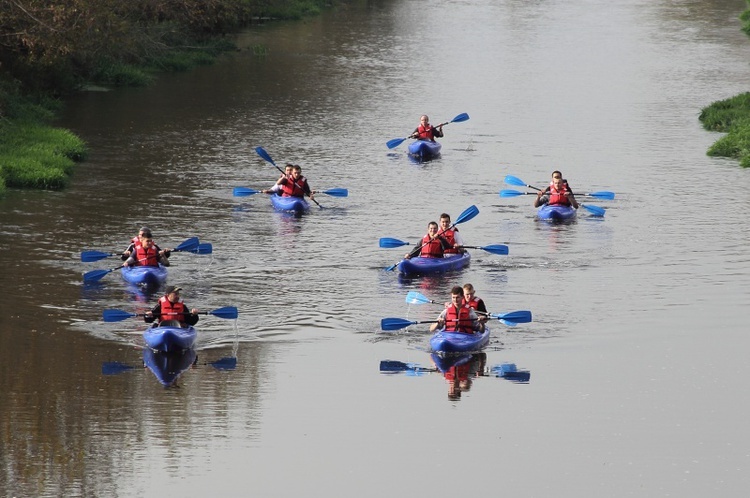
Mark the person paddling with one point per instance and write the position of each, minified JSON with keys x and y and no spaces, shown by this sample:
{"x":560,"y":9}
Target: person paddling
{"x":455,"y":241}
{"x":470,"y":298}
{"x":145,"y":252}
{"x":276,"y":187}
{"x":171,"y":311}
{"x":425,"y":131}
{"x":295,"y":185}
{"x":558,"y":193}
{"x":433,"y":245}
{"x":458,"y":317}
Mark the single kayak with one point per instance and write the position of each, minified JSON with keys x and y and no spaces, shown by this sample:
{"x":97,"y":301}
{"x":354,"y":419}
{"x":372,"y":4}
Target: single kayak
{"x":145,"y":275}
{"x":430,"y":266}
{"x":459,"y":342}
{"x":170,"y":338}
{"x":167,"y":367}
{"x":293,"y":204}
{"x":557,"y":212}
{"x":425,"y":149}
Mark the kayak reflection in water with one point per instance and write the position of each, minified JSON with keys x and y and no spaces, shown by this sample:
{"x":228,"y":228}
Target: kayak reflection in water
{"x":171,"y":311}
{"x":460,"y":376}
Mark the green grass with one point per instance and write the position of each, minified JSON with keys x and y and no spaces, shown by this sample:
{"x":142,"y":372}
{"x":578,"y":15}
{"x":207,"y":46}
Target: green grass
{"x":731,"y":116}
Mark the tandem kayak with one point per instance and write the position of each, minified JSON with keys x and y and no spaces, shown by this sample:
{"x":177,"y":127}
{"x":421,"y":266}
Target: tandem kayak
{"x":425,"y":149}
{"x":557,"y":212}
{"x":145,"y":275}
{"x":167,"y":367}
{"x":293,"y":204}
{"x":170,"y":338}
{"x":459,"y":342}
{"x":429,"y":266}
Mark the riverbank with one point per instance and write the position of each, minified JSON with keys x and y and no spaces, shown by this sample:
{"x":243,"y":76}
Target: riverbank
{"x":40,"y":69}
{"x":731,"y":116}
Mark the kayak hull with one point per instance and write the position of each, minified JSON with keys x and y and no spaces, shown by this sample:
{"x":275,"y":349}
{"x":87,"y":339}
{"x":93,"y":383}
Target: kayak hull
{"x":425,"y":149}
{"x":170,"y":339}
{"x":167,"y":367}
{"x":145,"y":275}
{"x":556,"y":213}
{"x":432,"y":266}
{"x":458,"y":342}
{"x":290,"y":204}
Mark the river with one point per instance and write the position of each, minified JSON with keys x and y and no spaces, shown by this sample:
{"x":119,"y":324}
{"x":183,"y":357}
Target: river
{"x":636,"y":352}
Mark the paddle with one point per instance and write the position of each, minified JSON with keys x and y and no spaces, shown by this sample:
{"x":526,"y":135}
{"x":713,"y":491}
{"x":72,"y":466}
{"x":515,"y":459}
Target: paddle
{"x":510,"y":372}
{"x":392,"y":144}
{"x":334,"y":192}
{"x":228,"y":312}
{"x":467,"y":215}
{"x":513,"y":318}
{"x":96,"y":275}
{"x":202,"y":248}
{"x":388,"y":242}
{"x":91,"y":256}
{"x":400,"y":366}
{"x":115,"y":367}
{"x":514,"y":180}
{"x":604,"y":194}
{"x":267,"y":157}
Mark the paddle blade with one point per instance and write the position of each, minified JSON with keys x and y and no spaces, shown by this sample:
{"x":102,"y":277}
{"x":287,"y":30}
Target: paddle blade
{"x":496,"y":249}
{"x":594,"y":210}
{"x":388,"y":243}
{"x":229,"y":312}
{"x":115,"y":367}
{"x":392,"y":267}
{"x":95,"y":275}
{"x":414,"y":297}
{"x":116,"y":315}
{"x":262,"y":153}
{"x":226,"y":363}
{"x":460,"y":118}
{"x":394,"y":323}
{"x":603,"y":194}
{"x":514,"y":316}
{"x":392,"y":144}
{"x":91,"y":256}
{"x":337,"y":192}
{"x":188,"y":245}
{"x":206,"y":248}
{"x":468,"y":214}
{"x":514,"y":180}
{"x":243,"y":191}
{"x":507,"y":323}
{"x":511,"y":193}
{"x":394,"y":366}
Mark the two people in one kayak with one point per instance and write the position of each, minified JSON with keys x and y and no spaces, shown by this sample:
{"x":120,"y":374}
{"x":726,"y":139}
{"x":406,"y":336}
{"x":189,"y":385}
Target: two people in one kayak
{"x":440,"y":241}
{"x":557,"y":193}
{"x":143,"y":251}
{"x":425,"y":131}
{"x":171,"y":311}
{"x":459,"y":315}
{"x":291,"y":184}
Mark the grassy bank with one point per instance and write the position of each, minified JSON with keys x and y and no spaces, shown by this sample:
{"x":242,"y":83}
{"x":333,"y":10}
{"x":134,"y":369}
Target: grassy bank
{"x":47,"y":58}
{"x":731,"y":116}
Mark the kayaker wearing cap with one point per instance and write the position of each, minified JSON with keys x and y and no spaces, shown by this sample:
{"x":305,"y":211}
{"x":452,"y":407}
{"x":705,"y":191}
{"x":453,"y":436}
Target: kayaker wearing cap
{"x":145,"y":252}
{"x":171,"y":311}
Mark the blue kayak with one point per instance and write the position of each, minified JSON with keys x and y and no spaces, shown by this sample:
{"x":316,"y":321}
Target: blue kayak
{"x":431,"y":266}
{"x":425,"y":149}
{"x":145,"y":275}
{"x":167,"y":367}
{"x":293,"y":204}
{"x":459,"y":342}
{"x":446,"y":362}
{"x":558,"y":212}
{"x":170,"y":339}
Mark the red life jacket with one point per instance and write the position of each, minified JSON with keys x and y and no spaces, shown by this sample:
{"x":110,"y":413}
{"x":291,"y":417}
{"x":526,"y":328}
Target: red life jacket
{"x":431,"y":248}
{"x":450,"y":236}
{"x":558,"y":196}
{"x":145,"y":256}
{"x":458,"y":320}
{"x":425,"y":133}
{"x":290,"y":188}
{"x":459,"y":372}
{"x":172,"y":311}
{"x":474,"y":303}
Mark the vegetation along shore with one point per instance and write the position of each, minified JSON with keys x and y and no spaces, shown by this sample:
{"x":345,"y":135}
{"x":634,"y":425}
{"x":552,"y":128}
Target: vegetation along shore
{"x":52,"y":48}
